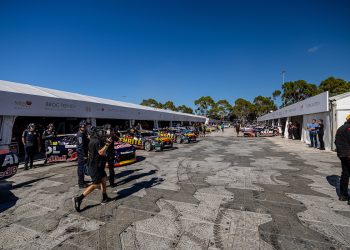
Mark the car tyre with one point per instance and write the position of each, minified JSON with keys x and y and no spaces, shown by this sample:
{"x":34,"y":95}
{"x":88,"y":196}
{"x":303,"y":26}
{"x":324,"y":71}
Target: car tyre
{"x":148,"y":146}
{"x":178,"y":139}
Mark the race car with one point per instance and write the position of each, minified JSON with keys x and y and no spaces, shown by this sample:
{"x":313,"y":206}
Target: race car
{"x":266,"y":131}
{"x":144,"y":139}
{"x":179,"y":135}
{"x":63,"y":148}
{"x":8,"y":162}
{"x":124,"y":154}
{"x":249,"y":132}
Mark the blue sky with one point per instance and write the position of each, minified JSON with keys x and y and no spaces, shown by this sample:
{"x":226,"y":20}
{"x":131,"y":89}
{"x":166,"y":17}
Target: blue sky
{"x":173,"y":50}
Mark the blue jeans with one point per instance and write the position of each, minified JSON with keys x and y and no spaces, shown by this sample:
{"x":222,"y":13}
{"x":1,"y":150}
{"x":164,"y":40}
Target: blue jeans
{"x":313,"y":139}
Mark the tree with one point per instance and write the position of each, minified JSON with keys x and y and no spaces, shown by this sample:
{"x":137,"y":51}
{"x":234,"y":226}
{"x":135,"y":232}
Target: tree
{"x":276,"y":94}
{"x":170,"y":106}
{"x":151,"y":103}
{"x":263,"y":105}
{"x":335,"y":86}
{"x":185,"y":109}
{"x":222,"y":108}
{"x":243,"y":109}
{"x":205,"y":104}
{"x":296,"y":91}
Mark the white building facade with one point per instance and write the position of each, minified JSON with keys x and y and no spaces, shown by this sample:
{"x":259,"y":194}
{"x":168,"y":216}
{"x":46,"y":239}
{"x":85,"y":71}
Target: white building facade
{"x":332,"y":110}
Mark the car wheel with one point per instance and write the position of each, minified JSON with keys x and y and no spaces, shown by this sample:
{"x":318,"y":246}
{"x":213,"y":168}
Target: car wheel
{"x":178,"y":139}
{"x":148,"y":146}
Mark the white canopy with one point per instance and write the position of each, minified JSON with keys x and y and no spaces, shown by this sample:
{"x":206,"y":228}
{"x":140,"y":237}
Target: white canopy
{"x":312,"y":105}
{"x":18,"y":99}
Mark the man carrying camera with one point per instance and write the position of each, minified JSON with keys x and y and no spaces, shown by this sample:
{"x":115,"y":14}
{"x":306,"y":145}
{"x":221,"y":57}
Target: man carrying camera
{"x":96,"y":161}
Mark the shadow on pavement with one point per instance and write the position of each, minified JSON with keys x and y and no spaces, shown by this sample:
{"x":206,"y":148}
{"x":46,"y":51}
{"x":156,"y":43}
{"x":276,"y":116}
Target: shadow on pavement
{"x":137,"y":187}
{"x":28,"y":183}
{"x":135,"y":177}
{"x":140,"y":158}
{"x":7,"y":198}
{"x":126,"y":173}
{"x":89,"y":206}
{"x":334,"y":180}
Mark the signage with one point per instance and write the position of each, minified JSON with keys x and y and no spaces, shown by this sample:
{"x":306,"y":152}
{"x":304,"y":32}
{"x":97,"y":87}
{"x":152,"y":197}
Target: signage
{"x":312,"y":105}
{"x":8,"y":165}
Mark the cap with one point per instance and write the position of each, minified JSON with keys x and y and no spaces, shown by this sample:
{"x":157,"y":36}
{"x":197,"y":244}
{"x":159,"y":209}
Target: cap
{"x":82,"y":123}
{"x":92,"y":131}
{"x":348,"y":117}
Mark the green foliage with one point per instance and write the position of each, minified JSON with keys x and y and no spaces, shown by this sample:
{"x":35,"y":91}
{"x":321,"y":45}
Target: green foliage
{"x":205,"y":104}
{"x":243,"y":109}
{"x":185,"y":109}
{"x":263,"y":105}
{"x":276,"y":94}
{"x":296,"y":91}
{"x":151,"y":103}
{"x":335,"y":86}
{"x":170,"y":106}
{"x":222,"y":109}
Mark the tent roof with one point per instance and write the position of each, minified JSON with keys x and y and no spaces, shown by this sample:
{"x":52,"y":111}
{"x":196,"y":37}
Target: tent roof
{"x":341,"y":96}
{"x":27,"y":89}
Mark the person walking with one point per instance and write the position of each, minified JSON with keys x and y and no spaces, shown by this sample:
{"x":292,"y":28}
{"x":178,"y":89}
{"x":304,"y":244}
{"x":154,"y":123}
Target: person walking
{"x":82,"y":152}
{"x":312,"y":128}
{"x":30,"y":140}
{"x":342,"y":142}
{"x":47,"y":136}
{"x":238,"y":127}
{"x":96,"y":162}
{"x":110,"y":154}
{"x":320,"y":133}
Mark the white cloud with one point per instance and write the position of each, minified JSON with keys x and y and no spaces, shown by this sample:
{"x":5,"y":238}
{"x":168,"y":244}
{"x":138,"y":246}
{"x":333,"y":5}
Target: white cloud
{"x":314,"y":49}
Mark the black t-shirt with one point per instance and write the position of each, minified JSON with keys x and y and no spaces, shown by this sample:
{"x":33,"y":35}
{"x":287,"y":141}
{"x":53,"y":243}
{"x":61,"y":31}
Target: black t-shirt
{"x":30,"y":137}
{"x":111,"y":151}
{"x":82,"y":144}
{"x":48,"y":135}
{"x":320,"y":128}
{"x":95,"y":160}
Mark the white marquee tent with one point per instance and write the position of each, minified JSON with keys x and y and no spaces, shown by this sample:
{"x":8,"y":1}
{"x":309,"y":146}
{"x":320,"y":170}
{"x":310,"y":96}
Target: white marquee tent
{"x":332,"y":110}
{"x":18,"y":99}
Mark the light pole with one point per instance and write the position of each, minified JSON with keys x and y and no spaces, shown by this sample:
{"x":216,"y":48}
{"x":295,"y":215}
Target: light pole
{"x":283,"y":73}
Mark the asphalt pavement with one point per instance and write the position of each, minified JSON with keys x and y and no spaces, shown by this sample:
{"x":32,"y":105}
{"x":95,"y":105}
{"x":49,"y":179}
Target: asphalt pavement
{"x":223,"y":192}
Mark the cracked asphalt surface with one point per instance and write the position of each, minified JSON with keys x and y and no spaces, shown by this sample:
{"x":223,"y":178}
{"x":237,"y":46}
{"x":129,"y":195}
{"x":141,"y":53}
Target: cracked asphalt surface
{"x":223,"y":192}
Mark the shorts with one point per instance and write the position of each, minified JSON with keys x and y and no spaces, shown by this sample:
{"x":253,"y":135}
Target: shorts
{"x":97,"y":174}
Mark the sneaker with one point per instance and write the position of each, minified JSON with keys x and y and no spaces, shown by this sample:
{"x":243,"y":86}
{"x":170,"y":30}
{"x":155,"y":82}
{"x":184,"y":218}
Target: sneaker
{"x":76,"y":203}
{"x":105,"y":200}
{"x":344,"y":198}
